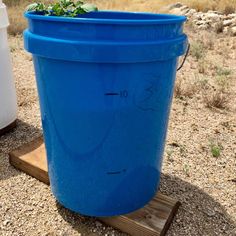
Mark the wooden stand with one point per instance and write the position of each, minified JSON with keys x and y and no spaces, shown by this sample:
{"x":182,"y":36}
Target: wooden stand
{"x":152,"y":220}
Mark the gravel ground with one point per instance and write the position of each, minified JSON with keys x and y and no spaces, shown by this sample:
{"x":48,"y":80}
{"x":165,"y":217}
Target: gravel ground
{"x":205,"y":185}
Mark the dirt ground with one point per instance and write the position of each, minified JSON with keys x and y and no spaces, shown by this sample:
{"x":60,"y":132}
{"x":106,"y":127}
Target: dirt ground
{"x":200,"y":156}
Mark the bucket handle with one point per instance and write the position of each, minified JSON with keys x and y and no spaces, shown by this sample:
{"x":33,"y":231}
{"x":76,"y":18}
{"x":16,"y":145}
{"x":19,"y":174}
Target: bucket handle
{"x":185,"y":57}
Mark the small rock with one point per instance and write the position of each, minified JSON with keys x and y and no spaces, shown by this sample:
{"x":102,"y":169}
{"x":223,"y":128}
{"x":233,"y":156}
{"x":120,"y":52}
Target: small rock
{"x":228,"y":22}
{"x":233,"y":15}
{"x":98,"y":224}
{"x":208,"y":21}
{"x":213,"y":16}
{"x":198,"y":16}
{"x":183,"y":8}
{"x":175,"y":5}
{"x":185,"y":12}
{"x":178,"y":220}
{"x":201,"y":22}
{"x":210,"y":212}
{"x":226,"y":29}
{"x":233,"y":31}
{"x":211,"y":11}
{"x":203,"y":27}
{"x":191,"y":12}
{"x":6,"y":222}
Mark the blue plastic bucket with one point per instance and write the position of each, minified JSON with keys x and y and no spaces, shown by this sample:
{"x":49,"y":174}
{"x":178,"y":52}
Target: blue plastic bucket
{"x":105,"y":83}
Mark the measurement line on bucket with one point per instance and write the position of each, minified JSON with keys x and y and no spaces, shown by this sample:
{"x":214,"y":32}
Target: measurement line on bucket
{"x":122,"y":94}
{"x":111,"y":94}
{"x":116,"y":172}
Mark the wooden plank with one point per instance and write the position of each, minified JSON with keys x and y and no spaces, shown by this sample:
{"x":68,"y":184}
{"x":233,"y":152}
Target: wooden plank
{"x":31,"y":159}
{"x":152,"y":220}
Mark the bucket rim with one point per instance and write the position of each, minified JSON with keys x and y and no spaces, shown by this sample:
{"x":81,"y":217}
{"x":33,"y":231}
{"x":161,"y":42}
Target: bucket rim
{"x":161,"y":18}
{"x":91,"y":51}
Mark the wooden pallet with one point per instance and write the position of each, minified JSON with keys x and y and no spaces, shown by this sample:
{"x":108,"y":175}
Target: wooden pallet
{"x":152,"y":220}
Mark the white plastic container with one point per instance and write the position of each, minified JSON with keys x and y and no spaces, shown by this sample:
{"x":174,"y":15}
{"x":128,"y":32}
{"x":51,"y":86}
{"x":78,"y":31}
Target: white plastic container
{"x":8,"y":107}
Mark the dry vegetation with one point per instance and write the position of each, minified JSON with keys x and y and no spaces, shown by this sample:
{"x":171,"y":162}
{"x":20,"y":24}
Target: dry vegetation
{"x":211,"y":80}
{"x":158,"y":5}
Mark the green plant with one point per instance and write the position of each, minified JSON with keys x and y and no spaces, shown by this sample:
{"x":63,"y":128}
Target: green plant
{"x":197,"y":50}
{"x":223,"y":71}
{"x":66,"y":8}
{"x":169,"y":153}
{"x":223,"y":83}
{"x":203,"y":82}
{"x":215,"y":150}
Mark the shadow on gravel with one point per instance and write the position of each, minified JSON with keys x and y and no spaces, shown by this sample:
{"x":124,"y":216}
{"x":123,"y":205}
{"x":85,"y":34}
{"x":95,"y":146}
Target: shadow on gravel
{"x":23,"y":133}
{"x":86,"y":226}
{"x":199,"y":213}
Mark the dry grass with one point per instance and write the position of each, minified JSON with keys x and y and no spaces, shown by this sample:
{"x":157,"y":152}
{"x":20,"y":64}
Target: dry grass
{"x":18,"y":23}
{"x":202,"y":66}
{"x":15,"y":12}
{"x":198,"y":50}
{"x":216,"y":99}
{"x":219,"y":27}
{"x":185,"y":89}
{"x":218,"y":94}
{"x":226,"y":6}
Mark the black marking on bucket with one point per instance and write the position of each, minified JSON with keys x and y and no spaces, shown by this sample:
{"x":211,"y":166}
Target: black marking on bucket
{"x":116,"y":172}
{"x":112,"y":94}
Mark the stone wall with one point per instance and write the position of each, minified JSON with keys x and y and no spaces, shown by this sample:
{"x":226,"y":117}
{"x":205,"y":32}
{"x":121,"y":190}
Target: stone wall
{"x":215,"y":20}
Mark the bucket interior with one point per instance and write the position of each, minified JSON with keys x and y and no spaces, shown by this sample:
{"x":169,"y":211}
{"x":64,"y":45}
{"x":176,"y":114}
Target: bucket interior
{"x":110,"y":15}
{"x":114,"y":17}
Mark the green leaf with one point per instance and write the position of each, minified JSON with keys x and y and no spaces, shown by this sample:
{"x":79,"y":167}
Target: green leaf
{"x":66,"y":8}
{"x":32,"y":7}
{"x":58,"y":10}
{"x":215,"y":151}
{"x":79,"y":11}
{"x":79,"y":4}
{"x":41,"y":7}
{"x":66,"y":3}
{"x":87,"y":7}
